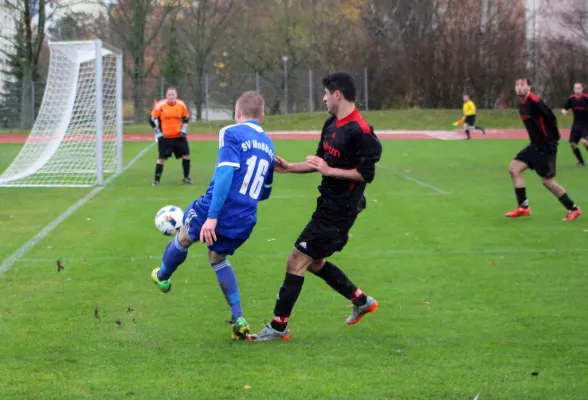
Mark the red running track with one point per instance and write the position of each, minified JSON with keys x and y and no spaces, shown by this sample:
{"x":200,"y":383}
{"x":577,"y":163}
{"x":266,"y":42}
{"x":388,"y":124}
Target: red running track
{"x":384,"y":135}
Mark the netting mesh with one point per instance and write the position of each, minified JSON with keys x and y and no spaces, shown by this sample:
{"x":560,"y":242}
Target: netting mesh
{"x":61,"y":149}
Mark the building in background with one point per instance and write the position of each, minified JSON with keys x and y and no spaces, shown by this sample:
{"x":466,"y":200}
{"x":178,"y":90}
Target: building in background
{"x":7,"y":29}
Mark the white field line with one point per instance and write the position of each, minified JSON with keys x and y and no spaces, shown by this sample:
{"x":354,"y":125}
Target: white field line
{"x":25,"y":248}
{"x":414,"y":180}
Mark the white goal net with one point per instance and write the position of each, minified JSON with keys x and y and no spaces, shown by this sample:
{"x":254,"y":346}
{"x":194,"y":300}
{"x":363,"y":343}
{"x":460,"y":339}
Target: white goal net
{"x":77,"y":137}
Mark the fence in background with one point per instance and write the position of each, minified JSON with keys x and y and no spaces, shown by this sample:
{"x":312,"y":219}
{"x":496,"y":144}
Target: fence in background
{"x":210,"y":97}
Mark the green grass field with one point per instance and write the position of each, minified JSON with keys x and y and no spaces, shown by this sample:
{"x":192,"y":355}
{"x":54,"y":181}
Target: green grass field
{"x":469,"y":302}
{"x":413,"y":119}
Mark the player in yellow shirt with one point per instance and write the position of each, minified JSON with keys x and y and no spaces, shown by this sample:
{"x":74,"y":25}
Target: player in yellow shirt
{"x":469,"y":117}
{"x":169,"y":119}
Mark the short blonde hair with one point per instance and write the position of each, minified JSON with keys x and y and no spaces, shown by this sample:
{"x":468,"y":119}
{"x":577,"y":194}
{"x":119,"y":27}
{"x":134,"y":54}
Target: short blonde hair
{"x":251,"y":104}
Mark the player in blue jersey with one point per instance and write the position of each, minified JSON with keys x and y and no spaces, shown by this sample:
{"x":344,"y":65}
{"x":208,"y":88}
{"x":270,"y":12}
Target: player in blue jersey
{"x":225,"y":216}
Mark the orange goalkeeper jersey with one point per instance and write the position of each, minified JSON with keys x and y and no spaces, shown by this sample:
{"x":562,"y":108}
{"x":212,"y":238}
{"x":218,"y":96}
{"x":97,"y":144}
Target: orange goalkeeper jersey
{"x":170,"y":117}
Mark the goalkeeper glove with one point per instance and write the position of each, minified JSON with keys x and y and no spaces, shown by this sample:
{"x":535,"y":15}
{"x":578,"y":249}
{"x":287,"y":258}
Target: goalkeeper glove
{"x":158,"y":134}
{"x":183,"y":131}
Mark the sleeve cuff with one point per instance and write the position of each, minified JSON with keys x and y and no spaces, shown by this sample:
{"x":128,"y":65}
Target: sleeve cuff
{"x":230,"y":164}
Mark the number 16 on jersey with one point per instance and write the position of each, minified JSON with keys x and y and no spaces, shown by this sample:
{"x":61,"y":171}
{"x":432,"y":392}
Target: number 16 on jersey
{"x":260,"y":168}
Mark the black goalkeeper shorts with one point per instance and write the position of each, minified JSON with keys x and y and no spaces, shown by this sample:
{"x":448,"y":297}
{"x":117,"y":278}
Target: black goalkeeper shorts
{"x":177,"y":146}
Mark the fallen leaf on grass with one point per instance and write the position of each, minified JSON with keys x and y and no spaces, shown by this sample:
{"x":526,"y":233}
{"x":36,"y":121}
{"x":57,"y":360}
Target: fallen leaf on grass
{"x":534,"y":373}
{"x":247,"y":387}
{"x":117,"y":322}
{"x":130,"y":309}
{"x":60,"y":266}
{"x":96,"y":313}
{"x":504,"y":341}
{"x":425,"y":302}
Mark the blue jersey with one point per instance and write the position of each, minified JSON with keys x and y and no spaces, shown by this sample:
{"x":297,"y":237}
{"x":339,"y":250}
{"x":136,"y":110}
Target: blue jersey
{"x":251,"y":152}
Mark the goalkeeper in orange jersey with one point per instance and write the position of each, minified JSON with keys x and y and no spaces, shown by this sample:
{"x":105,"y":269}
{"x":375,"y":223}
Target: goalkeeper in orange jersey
{"x":169,"y":119}
{"x":469,"y":117}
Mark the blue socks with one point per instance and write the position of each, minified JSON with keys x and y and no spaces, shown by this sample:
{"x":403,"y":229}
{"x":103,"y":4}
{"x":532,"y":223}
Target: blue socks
{"x":228,"y":283}
{"x":174,"y":255}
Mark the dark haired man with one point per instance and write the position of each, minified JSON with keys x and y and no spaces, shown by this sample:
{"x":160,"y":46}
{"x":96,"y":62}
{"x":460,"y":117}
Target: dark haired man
{"x":539,"y":155}
{"x":578,"y":103}
{"x":346,"y":157}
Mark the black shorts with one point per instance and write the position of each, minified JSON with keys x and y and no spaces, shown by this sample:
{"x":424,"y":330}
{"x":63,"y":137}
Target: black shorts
{"x":176,"y":146}
{"x":328,"y":230}
{"x":542,"y":161}
{"x":470,"y":120}
{"x":578,"y":132}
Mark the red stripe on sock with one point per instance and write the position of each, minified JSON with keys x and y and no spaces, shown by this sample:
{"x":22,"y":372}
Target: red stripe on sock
{"x":281,"y":320}
{"x":358,"y":294}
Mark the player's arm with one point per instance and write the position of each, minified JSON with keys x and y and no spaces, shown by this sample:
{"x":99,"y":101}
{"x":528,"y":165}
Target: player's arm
{"x":301,"y":167}
{"x":368,"y":153}
{"x":267,"y":186}
{"x":320,"y":165}
{"x":154,"y":120}
{"x":566,"y":107}
{"x":185,"y":120}
{"x":228,"y":162}
{"x":284,"y":166}
{"x":546,"y":112}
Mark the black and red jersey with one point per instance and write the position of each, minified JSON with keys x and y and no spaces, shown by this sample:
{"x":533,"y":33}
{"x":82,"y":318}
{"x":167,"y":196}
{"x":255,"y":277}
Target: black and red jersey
{"x":349,"y":143}
{"x":579,"y":106}
{"x":540,"y":122}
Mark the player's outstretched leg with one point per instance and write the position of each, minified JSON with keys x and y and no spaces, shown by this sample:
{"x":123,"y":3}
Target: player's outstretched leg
{"x":175,"y":254}
{"x":573,"y":211}
{"x":516,"y":169}
{"x":585,"y":142}
{"x":578,"y":154}
{"x":480,"y":128}
{"x":227,"y":281}
{"x":336,"y":279}
{"x":287,"y":296}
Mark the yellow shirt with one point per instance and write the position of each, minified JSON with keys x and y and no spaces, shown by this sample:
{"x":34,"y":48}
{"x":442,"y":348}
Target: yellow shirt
{"x":469,"y":108}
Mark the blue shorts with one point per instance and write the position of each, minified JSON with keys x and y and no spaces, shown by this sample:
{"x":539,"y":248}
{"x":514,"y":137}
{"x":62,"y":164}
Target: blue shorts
{"x":223,"y":245}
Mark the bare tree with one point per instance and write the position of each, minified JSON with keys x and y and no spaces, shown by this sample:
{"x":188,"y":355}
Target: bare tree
{"x":203,"y":25}
{"x":135,"y":25}
{"x":31,"y":19}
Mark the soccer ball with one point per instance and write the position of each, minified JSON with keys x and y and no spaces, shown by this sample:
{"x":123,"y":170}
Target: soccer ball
{"x":168,"y":220}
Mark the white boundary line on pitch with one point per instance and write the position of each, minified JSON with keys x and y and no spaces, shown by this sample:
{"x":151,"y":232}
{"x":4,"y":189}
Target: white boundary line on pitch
{"x":398,"y":253}
{"x":25,"y":248}
{"x":413,"y":180}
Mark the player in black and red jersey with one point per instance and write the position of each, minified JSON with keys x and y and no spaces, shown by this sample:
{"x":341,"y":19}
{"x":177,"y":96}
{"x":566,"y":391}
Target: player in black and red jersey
{"x":346,"y":157}
{"x":578,"y":103}
{"x":540,"y":155}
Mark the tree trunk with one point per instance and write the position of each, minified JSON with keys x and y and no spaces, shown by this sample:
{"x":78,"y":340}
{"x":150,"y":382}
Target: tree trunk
{"x":26,"y":100}
{"x":199,"y":93}
{"x":139,"y":90}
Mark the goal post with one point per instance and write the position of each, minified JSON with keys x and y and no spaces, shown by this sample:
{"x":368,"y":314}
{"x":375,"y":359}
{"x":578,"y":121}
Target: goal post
{"x":76,"y":140}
